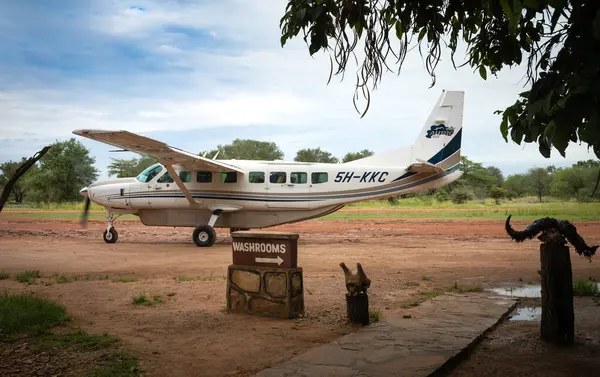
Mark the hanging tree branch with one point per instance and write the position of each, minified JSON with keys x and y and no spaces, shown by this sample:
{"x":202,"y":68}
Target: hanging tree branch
{"x":19,"y":173}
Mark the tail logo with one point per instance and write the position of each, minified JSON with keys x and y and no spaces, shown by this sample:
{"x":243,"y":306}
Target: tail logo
{"x":438,"y":130}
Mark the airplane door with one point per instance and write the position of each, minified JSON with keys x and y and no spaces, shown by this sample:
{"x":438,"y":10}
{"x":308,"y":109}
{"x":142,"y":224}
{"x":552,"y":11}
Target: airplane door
{"x":164,"y":191}
{"x":138,"y":196}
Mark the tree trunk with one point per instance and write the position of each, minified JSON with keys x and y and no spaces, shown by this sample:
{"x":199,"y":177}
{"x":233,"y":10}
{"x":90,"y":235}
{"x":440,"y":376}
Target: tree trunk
{"x":19,"y":172}
{"x":558,"y":318}
{"x":357,"y":308}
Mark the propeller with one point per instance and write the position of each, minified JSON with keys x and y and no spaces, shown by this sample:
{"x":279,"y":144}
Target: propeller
{"x":84,"y":215}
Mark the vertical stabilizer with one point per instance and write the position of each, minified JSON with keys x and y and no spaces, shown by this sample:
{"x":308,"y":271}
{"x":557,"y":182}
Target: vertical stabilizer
{"x":440,"y":138}
{"x":439,"y":141}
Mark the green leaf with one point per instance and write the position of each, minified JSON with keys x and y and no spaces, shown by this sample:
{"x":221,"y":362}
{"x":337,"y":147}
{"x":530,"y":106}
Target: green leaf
{"x":399,"y":31}
{"x":482,"y":72}
{"x":506,"y":8}
{"x":504,"y":129}
{"x":422,"y":34}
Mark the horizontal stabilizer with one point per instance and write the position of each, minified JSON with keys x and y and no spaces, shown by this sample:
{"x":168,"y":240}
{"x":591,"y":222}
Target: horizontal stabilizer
{"x":424,"y":167}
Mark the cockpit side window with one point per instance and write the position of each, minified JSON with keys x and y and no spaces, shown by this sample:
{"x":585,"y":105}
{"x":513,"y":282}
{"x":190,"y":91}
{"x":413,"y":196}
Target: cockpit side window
{"x":149,"y":174}
{"x":166,"y":178}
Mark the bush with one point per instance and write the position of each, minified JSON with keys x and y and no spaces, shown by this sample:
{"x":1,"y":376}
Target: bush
{"x":441,"y":196}
{"x":461,"y":195}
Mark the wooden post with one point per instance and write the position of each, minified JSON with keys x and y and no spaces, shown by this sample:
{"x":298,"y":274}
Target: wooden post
{"x":558,"y":318}
{"x":357,"y":308}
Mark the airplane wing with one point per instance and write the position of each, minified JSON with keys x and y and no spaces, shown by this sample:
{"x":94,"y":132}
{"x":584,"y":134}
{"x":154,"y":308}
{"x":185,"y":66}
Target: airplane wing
{"x":424,"y":167}
{"x":165,"y":153}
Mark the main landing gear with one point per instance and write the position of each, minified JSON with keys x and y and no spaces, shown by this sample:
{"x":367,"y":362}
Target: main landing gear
{"x":205,"y":235}
{"x":110,"y":234}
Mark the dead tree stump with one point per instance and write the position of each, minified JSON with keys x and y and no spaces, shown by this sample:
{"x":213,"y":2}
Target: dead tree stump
{"x":558,"y":317}
{"x":357,"y":308}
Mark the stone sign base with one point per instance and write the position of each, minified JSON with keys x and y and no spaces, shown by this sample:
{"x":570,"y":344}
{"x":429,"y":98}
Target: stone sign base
{"x":272,"y":292}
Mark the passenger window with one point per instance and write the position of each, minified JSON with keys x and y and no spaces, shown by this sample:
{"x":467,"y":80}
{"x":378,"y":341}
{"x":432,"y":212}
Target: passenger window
{"x":229,"y":177}
{"x":277,"y":177}
{"x":298,"y":178}
{"x":256,"y":177}
{"x":185,"y":176}
{"x":166,"y":178}
{"x":318,"y":178}
{"x":204,"y":176}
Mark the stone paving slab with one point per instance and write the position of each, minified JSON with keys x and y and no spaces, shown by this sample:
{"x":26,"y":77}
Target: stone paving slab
{"x":438,"y":330}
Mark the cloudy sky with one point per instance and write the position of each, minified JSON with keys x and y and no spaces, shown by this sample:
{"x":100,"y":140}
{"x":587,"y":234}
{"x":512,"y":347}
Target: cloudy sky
{"x":199,"y":73}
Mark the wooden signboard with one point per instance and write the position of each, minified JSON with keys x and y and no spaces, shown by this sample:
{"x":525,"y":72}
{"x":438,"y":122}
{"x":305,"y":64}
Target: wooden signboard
{"x":265,"y":249}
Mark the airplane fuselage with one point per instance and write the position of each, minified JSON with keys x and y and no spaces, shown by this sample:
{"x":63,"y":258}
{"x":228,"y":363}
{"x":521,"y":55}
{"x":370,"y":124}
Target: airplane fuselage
{"x":267,"y":194}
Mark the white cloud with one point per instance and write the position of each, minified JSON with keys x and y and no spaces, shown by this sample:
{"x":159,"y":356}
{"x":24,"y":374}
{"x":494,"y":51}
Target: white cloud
{"x":244,"y":78}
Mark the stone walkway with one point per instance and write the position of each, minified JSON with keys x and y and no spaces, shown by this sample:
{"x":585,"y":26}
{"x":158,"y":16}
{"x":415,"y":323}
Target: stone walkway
{"x":438,"y":330}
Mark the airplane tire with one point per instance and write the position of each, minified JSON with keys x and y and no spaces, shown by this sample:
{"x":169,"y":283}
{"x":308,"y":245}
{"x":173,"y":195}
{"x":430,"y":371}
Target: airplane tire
{"x":110,"y":237}
{"x":204,"y":236}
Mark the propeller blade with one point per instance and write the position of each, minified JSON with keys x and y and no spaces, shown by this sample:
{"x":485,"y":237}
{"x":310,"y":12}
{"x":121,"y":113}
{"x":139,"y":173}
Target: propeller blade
{"x":84,"y":215}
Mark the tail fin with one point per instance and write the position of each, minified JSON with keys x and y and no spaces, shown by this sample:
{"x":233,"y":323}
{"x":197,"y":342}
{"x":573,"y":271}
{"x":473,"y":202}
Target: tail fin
{"x":440,"y":138}
{"x":439,"y":141}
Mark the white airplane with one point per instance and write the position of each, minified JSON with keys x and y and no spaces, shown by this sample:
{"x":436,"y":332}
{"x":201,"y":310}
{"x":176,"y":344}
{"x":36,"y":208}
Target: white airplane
{"x":187,"y":190}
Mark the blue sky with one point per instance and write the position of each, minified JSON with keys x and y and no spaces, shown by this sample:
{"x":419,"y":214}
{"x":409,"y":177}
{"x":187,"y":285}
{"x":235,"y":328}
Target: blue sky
{"x":199,"y":73}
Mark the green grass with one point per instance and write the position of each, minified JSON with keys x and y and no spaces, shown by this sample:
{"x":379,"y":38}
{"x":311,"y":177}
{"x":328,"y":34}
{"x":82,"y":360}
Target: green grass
{"x":374,"y":315}
{"x":65,"y":279}
{"x":117,"y":364}
{"x":28,"y":276}
{"x":25,"y":313}
{"x":125,"y":280}
{"x":457,"y":288}
{"x":585,"y":288}
{"x":145,"y":301}
{"x":521,"y":209}
{"x":78,"y":340}
{"x":4,"y":275}
{"x":211,"y":277}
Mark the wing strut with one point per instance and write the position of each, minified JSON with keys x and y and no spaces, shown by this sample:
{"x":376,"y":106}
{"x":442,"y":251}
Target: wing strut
{"x":181,"y":185}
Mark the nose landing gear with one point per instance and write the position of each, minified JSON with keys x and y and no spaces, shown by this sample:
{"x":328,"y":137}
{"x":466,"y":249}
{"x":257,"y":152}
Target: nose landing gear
{"x":110,"y":234}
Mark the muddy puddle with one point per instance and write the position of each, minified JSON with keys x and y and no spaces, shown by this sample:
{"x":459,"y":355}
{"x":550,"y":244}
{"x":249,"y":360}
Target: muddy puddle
{"x":524,"y":291}
{"x":528,"y":313}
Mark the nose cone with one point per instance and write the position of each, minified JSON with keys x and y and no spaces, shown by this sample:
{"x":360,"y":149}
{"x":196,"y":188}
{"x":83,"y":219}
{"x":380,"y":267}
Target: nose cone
{"x":84,"y":192}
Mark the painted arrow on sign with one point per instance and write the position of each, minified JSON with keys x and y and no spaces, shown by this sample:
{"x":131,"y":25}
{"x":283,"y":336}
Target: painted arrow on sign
{"x":277,"y":260}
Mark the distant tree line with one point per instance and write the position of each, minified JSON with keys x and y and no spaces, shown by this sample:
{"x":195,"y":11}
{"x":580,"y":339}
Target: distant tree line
{"x":68,"y":166}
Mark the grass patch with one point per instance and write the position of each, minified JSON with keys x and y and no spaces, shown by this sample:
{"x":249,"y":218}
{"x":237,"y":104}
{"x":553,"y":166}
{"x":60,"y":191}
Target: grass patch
{"x":457,"y":288}
{"x":146,"y":301}
{"x":125,"y":280}
{"x":25,"y":313}
{"x":28,"y":276}
{"x":374,"y":315}
{"x":64,"y":279}
{"x":78,"y":340}
{"x":425,"y":278}
{"x":4,"y":275}
{"x":117,"y":364}
{"x":585,"y":288}
{"x":521,"y":209}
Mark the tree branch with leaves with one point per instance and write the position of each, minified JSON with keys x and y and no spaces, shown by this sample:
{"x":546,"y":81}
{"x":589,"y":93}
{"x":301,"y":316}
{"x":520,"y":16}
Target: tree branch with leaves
{"x":558,"y":39}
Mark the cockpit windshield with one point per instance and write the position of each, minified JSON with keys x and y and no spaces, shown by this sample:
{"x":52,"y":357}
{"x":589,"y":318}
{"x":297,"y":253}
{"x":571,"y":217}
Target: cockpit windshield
{"x":148,"y":174}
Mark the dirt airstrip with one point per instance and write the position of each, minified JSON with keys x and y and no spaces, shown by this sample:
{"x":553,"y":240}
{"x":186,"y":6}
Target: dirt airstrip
{"x":189,"y":333}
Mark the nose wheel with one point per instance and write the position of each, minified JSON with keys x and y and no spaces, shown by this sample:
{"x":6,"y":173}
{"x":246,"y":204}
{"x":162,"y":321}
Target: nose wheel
{"x":110,"y":234}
